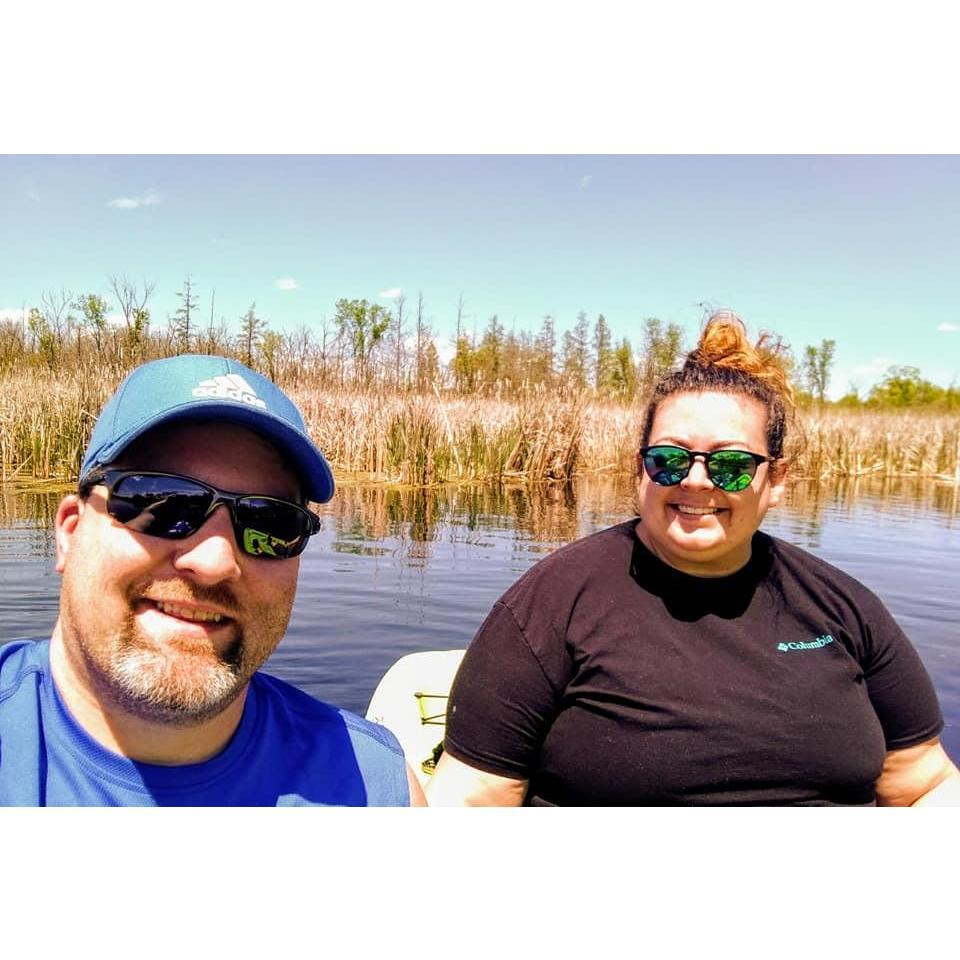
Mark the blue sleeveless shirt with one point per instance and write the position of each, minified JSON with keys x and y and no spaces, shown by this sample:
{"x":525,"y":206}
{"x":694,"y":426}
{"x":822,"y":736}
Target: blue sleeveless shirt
{"x":289,"y":749}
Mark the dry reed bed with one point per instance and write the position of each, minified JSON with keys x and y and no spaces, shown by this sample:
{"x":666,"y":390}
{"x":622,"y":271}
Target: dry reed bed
{"x":422,"y":440}
{"x":864,"y":443}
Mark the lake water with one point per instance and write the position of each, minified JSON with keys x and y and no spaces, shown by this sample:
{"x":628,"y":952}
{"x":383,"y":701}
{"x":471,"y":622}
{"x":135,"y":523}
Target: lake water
{"x":399,"y":571}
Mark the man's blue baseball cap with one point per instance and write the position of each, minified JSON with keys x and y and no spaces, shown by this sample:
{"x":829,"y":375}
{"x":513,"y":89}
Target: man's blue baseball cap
{"x":207,"y":388}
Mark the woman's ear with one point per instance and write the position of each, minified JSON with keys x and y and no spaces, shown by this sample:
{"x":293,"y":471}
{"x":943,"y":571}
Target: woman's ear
{"x":778,"y":480}
{"x":65,"y":526}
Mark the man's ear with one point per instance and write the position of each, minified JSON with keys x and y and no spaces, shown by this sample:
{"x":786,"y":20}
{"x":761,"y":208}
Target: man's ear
{"x":65,"y":526}
{"x":778,"y":480}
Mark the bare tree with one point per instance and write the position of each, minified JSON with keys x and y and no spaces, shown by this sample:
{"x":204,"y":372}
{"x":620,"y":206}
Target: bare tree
{"x":133,"y":305}
{"x":398,"y":340}
{"x":325,"y":346}
{"x":55,"y":309}
{"x":215,"y":339}
{"x":300,"y":349}
{"x":459,"y":316}
{"x":130,"y":299}
{"x":423,"y":335}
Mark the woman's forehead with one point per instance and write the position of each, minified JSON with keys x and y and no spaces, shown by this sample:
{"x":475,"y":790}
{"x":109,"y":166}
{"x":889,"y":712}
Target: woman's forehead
{"x":711,"y":416}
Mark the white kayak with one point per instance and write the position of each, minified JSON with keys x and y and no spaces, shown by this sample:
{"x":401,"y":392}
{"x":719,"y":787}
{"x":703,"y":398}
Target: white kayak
{"x":411,"y":701}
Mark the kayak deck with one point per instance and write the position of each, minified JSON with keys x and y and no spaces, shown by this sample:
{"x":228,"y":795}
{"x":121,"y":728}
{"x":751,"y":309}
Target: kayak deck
{"x":411,"y":701}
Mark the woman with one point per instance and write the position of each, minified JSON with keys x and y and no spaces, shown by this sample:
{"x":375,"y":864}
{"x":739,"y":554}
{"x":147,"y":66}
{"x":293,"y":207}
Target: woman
{"x":684,"y":657}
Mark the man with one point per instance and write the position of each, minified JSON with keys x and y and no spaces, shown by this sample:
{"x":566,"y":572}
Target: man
{"x":179,"y":557}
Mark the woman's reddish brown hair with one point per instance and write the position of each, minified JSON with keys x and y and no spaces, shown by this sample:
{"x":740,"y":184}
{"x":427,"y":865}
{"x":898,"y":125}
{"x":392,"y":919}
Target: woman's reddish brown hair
{"x":724,"y":361}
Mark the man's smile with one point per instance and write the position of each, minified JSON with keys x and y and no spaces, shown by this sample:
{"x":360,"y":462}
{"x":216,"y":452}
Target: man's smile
{"x":184,"y":612}
{"x":182,"y":621}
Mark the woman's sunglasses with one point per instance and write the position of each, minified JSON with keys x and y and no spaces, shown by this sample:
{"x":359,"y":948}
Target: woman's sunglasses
{"x":730,"y":470}
{"x":173,"y":507}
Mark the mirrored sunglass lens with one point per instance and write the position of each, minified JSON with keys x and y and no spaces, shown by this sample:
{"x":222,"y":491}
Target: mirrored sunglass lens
{"x":159,"y":506}
{"x":268,"y":528}
{"x":731,"y":470}
{"x":667,"y":465}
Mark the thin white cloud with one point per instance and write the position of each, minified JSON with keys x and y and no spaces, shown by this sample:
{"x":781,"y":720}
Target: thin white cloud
{"x":13,"y":313}
{"x":390,"y":294}
{"x":147,"y":199}
{"x":948,"y":328}
{"x":286,"y":283}
{"x":585,"y":180}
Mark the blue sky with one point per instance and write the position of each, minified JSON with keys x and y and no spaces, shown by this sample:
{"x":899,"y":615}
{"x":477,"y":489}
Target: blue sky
{"x":859,"y":249}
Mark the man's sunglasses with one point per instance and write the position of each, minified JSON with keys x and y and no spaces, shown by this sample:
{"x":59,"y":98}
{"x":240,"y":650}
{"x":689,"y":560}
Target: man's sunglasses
{"x":173,"y":507}
{"x":730,"y":470}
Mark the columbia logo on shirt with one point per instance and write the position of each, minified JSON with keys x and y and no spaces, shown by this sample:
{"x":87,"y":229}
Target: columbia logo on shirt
{"x":809,"y":645}
{"x":230,"y":386}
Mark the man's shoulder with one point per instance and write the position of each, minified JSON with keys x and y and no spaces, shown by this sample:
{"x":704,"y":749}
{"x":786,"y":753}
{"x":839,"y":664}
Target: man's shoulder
{"x":20,"y":659}
{"x":305,"y":709}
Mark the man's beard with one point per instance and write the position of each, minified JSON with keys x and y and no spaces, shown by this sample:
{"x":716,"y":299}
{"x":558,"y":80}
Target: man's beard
{"x":182,"y":684}
{"x":173,"y":687}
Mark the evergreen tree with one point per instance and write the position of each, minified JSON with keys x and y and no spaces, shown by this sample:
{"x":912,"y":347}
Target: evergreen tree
{"x":576,"y":353}
{"x":602,"y":355}
{"x":623,"y":374}
{"x":490,"y":352}
{"x":252,"y":329}
{"x":662,"y":350}
{"x":544,"y":353}
{"x":182,"y":326}
{"x":465,"y":366}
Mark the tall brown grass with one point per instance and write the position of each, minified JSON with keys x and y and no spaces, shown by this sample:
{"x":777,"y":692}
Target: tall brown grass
{"x":864,"y":443}
{"x":420,"y":440}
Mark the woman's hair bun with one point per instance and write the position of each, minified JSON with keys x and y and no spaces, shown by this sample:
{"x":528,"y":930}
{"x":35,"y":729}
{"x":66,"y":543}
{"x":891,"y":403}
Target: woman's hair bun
{"x":724,"y":343}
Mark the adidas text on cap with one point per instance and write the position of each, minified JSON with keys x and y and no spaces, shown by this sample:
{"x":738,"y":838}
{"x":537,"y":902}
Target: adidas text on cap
{"x":207,"y":388}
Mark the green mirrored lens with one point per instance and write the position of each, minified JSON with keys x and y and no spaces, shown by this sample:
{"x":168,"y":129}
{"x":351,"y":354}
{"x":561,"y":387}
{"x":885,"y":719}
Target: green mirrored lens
{"x":667,"y":466}
{"x":731,"y":470}
{"x":271,"y":528}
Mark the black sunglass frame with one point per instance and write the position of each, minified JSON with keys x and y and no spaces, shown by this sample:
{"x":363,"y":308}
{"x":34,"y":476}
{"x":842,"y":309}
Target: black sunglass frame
{"x":110,"y":478}
{"x":707,"y":456}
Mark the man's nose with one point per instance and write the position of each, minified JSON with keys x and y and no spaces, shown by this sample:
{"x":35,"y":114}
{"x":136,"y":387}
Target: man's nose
{"x":211,"y":554}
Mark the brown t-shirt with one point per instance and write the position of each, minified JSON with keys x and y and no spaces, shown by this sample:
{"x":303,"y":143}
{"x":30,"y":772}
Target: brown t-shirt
{"x":605,"y":676}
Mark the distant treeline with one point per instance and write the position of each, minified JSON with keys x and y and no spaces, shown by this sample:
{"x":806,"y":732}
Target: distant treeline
{"x":366,"y":346}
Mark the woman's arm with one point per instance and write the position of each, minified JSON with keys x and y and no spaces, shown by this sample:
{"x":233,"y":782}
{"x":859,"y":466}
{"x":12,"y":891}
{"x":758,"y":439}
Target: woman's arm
{"x":417,"y":799}
{"x":457,"y":784}
{"x":923,"y":774}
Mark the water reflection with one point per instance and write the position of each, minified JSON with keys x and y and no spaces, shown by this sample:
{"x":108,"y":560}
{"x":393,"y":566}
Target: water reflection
{"x":546,"y":514}
{"x":36,"y":507}
{"x":810,"y":501}
{"x":397,"y":570}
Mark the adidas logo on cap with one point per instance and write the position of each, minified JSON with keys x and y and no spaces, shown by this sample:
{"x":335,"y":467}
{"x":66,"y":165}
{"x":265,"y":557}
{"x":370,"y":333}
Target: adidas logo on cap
{"x":230,"y":386}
